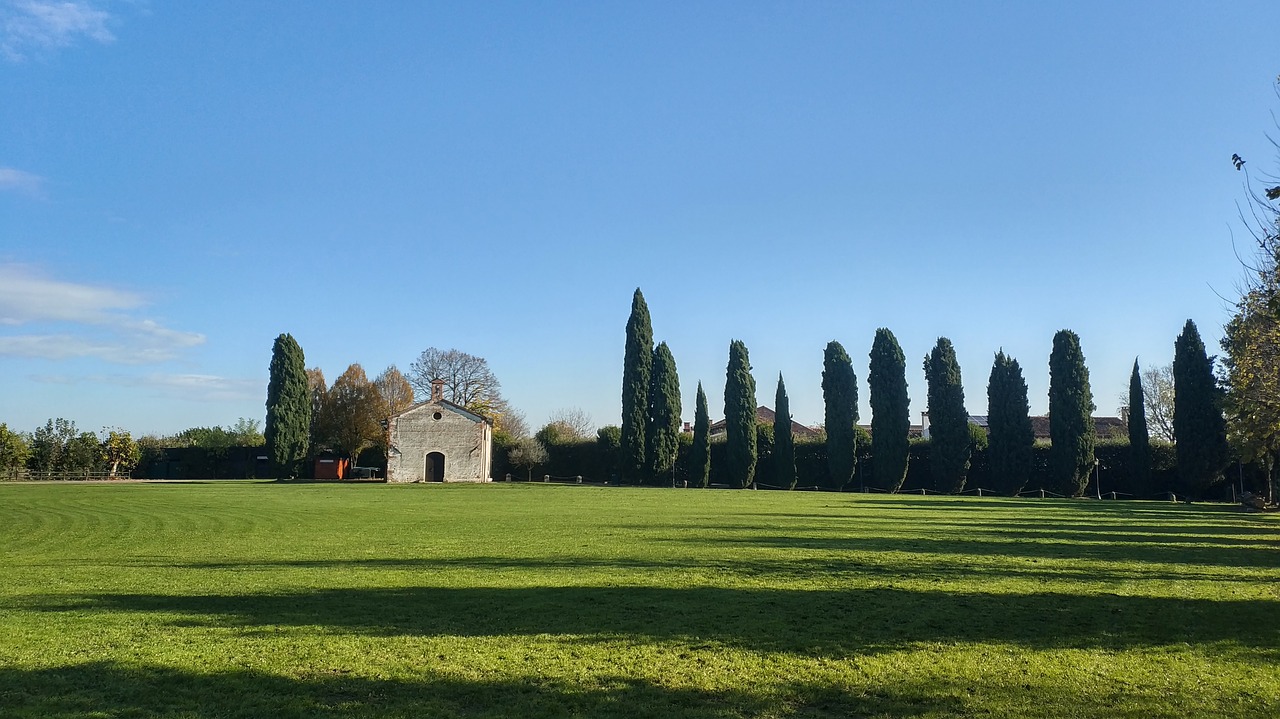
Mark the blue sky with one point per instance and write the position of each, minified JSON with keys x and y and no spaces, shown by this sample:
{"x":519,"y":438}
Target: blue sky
{"x":181,"y":182}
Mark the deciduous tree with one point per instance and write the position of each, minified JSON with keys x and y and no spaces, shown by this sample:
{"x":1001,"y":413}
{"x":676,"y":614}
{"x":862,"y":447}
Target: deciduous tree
{"x":247,"y":433}
{"x":890,"y":411}
{"x":1071,"y":428}
{"x":318,"y":392}
{"x":83,"y":454}
{"x":394,"y":391}
{"x":840,"y":400}
{"x":468,"y":382}
{"x":556,"y":433}
{"x":700,"y":452}
{"x":663,"y":432}
{"x":49,"y":445}
{"x":202,"y":437}
{"x":354,"y":408}
{"x":949,"y":439}
{"x":1157,"y":401}
{"x":14,"y":450}
{"x":512,"y":423}
{"x":288,"y":408}
{"x":784,"y":443}
{"x":1252,"y":341}
{"x":1010,"y":438}
{"x":1252,"y":378}
{"x":527,"y":453}
{"x":120,"y":451}
{"x":740,"y":417}
{"x":1199,"y":428}
{"x":637,"y":367}
{"x":574,"y":421}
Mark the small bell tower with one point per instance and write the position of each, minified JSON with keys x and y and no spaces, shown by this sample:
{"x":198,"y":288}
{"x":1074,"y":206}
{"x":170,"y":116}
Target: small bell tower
{"x":437,"y":390}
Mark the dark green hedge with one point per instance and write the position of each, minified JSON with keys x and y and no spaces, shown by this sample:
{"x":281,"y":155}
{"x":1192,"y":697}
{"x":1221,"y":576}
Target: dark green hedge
{"x":596,"y":462}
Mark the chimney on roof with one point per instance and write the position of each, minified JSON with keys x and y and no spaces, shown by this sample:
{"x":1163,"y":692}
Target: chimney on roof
{"x":437,"y":390}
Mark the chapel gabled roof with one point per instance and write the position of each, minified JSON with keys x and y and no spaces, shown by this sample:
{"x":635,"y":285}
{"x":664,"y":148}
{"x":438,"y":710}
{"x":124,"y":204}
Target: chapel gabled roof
{"x":443,"y":404}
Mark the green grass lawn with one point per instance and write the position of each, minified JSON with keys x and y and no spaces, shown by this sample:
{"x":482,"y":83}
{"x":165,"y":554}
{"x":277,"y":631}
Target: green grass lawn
{"x":238,"y":599}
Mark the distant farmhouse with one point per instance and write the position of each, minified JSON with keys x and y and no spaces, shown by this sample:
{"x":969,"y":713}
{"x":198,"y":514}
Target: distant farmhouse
{"x":1104,"y":427}
{"x":439,"y":441}
{"x":764,"y":415}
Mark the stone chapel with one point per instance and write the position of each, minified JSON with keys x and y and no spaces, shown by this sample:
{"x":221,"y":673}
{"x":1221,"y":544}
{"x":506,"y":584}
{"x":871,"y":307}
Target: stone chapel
{"x":439,"y":441}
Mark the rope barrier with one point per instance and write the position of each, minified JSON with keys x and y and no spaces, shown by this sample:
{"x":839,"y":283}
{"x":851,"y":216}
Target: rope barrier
{"x":1040,"y":493}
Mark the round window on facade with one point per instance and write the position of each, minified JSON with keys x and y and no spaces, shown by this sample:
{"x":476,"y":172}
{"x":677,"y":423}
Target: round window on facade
{"x":437,"y":415}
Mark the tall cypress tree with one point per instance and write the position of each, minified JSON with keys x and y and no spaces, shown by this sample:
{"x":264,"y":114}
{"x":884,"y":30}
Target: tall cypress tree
{"x":840,"y":398}
{"x":784,"y":443}
{"x":1071,"y":428}
{"x":1199,"y":430}
{"x":664,"y":414}
{"x":637,"y":367}
{"x":1139,"y":438}
{"x":1010,"y":439}
{"x":740,"y":416}
{"x":288,"y":423}
{"x":700,"y":452}
{"x":890,"y":411}
{"x":949,"y":441}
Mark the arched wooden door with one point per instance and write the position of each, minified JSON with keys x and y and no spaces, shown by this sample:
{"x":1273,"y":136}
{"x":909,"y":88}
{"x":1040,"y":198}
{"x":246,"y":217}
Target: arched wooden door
{"x":435,"y":467}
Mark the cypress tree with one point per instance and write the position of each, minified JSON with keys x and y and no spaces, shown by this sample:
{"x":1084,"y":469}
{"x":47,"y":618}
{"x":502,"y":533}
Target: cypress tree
{"x":288,"y":408}
{"x":840,"y":397}
{"x":784,"y":443}
{"x":1010,"y":439}
{"x":1139,"y":438}
{"x":890,"y":411}
{"x":740,"y":416}
{"x":949,"y":440}
{"x":1199,"y":430}
{"x":1071,"y":428}
{"x":700,"y":452}
{"x":664,"y":414}
{"x":637,"y":367}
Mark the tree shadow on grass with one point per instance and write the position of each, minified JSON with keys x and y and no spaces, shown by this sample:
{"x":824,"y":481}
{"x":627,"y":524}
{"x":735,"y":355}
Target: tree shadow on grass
{"x":813,"y":622}
{"x":105,"y":689}
{"x":110,"y":690}
{"x":1213,"y":532}
{"x":843,"y":567}
{"x":999,"y":510}
{"x":1031,"y":544}
{"x":998,"y":507}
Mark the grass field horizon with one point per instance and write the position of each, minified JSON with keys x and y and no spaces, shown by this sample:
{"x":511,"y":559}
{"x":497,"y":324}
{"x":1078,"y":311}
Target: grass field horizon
{"x":242,"y":599}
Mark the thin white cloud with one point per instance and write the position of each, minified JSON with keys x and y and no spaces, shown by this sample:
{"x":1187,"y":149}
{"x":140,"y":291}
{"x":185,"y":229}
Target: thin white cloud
{"x":104,"y":322}
{"x":203,"y":387}
{"x":137,"y":350}
{"x":28,"y":26}
{"x":12,"y":180}
{"x":27,"y":296}
{"x":189,"y":387}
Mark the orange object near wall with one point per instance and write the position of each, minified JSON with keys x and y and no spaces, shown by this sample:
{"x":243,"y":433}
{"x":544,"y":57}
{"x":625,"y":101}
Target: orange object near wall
{"x":331,"y":468}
